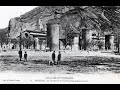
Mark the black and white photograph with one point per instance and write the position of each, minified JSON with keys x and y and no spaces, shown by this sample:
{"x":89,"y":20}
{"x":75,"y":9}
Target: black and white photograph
{"x":59,"y":44}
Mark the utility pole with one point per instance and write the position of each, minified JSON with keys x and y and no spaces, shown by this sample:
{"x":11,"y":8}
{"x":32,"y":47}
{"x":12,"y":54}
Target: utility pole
{"x":20,"y":44}
{"x":21,"y":35}
{"x":20,"y":40}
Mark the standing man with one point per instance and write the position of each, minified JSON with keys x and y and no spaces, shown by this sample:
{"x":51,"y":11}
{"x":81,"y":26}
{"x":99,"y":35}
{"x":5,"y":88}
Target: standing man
{"x":53,"y":57}
{"x":25,"y":56}
{"x":59,"y":58}
{"x":20,"y":54}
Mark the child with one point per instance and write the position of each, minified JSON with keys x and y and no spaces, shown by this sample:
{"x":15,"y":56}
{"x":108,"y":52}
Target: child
{"x":25,"y":56}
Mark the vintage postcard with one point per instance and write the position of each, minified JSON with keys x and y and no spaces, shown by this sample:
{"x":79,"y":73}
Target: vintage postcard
{"x":60,"y":45}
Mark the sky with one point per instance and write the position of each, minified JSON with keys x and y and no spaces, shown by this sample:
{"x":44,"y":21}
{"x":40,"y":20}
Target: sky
{"x":8,"y":12}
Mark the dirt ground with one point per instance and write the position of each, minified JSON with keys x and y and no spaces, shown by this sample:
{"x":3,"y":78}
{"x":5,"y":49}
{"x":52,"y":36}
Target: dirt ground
{"x":68,"y":65}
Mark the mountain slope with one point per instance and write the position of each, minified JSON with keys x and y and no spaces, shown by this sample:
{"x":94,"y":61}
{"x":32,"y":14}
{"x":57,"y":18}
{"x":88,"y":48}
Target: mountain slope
{"x":74,"y":17}
{"x":30,"y":19}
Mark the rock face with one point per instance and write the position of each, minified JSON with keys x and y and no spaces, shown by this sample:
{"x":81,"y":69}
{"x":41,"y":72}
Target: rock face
{"x":73,"y":22}
{"x":3,"y":36}
{"x":14,"y":28}
{"x":35,"y":19}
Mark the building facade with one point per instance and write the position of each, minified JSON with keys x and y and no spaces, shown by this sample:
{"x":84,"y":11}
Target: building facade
{"x":87,"y":39}
{"x":62,"y":31}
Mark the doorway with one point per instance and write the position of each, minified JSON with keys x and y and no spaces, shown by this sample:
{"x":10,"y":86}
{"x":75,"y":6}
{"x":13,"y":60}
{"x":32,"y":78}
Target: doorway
{"x":107,"y":42}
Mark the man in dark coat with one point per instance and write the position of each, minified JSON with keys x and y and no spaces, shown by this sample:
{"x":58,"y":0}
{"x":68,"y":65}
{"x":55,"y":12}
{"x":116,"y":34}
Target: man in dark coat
{"x":20,"y":54}
{"x":53,"y":57}
{"x":25,"y":56}
{"x":59,"y":58}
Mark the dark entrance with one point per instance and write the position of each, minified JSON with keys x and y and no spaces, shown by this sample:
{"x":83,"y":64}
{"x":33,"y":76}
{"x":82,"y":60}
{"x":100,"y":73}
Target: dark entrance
{"x":107,"y":42}
{"x":49,"y":40}
{"x":82,"y":40}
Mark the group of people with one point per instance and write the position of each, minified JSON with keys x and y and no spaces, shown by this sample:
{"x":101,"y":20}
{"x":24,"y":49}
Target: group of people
{"x":20,"y":55}
{"x":53,"y":57}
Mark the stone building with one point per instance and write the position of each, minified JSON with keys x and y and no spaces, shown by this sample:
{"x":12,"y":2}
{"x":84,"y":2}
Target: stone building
{"x":61,"y":30}
{"x":39,"y":38}
{"x":87,"y":39}
{"x":63,"y":35}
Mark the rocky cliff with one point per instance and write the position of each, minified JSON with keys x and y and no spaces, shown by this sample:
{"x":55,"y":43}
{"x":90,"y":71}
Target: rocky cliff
{"x":30,"y":20}
{"x":72,"y":18}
